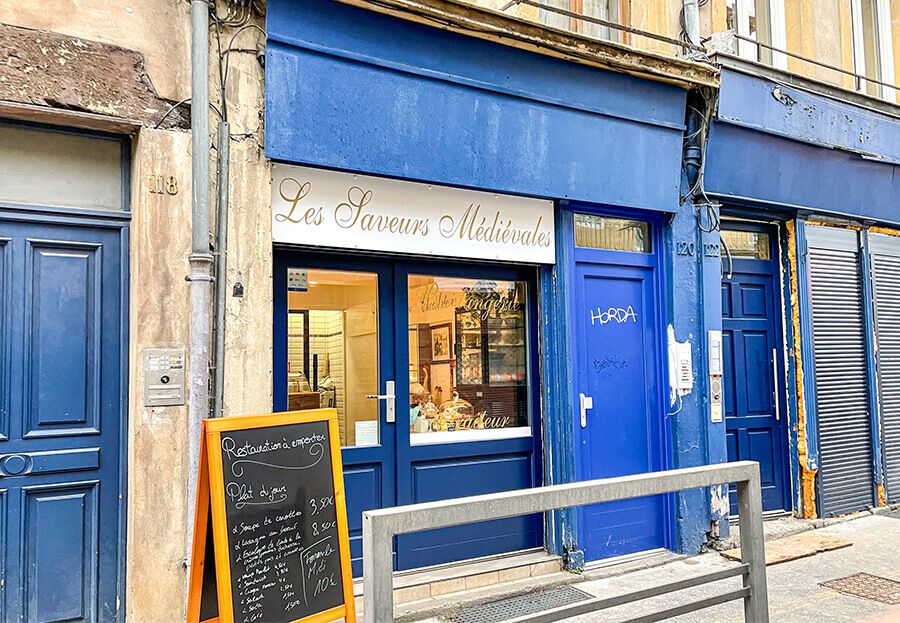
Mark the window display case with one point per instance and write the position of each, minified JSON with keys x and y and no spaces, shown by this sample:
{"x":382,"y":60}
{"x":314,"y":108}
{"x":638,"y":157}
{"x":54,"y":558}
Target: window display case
{"x":491,"y":350}
{"x":492,"y":372}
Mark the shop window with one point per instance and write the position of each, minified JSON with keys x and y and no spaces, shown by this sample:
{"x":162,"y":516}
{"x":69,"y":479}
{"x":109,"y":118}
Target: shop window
{"x":333,"y":348}
{"x":606,"y":10}
{"x":872,"y":46}
{"x":612,"y":234}
{"x":745,"y":244}
{"x":762,"y":21}
{"x":468,"y":359}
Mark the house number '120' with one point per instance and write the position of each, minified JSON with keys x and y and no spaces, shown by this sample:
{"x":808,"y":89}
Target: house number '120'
{"x":710,"y":249}
{"x":163,"y":184}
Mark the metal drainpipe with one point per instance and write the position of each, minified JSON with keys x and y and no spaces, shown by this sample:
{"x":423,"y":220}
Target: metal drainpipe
{"x":200,"y":259}
{"x":692,"y":21}
{"x":222,"y":164}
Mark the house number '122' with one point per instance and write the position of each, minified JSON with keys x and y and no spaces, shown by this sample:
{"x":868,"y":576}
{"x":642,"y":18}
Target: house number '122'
{"x":163,"y":184}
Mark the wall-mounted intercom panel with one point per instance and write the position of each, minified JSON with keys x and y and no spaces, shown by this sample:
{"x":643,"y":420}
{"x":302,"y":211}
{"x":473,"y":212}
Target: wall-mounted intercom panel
{"x":714,"y":343}
{"x":715,"y":353}
{"x":715,"y":398}
{"x":681,"y":366}
{"x":163,"y":377}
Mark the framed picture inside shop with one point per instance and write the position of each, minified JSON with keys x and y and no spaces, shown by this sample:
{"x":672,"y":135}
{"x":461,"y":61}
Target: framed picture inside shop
{"x":441,"y":343}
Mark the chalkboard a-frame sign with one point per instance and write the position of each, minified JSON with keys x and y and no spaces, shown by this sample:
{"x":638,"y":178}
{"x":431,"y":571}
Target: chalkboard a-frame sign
{"x":270,"y":530}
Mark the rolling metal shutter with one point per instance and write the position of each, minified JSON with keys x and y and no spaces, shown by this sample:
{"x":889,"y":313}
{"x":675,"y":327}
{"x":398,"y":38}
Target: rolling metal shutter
{"x":839,"y":352}
{"x":886,"y":274}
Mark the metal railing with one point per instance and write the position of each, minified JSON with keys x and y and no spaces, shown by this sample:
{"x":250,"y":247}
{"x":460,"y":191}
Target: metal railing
{"x":381,"y":526}
{"x":684,"y":45}
{"x":859,"y":80}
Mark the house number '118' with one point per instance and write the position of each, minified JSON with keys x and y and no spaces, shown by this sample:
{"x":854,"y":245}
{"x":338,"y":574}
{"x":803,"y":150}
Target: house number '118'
{"x":163,"y":184}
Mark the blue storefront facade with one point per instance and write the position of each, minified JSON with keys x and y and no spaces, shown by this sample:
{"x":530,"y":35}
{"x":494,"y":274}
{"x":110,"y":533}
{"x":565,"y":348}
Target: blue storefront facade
{"x":587,"y":363}
{"x":807,"y":179}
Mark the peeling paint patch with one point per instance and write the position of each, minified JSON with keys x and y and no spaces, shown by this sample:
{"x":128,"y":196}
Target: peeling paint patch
{"x":719,"y":503}
{"x":783,"y":97}
{"x":807,"y":472}
{"x":884,"y":230}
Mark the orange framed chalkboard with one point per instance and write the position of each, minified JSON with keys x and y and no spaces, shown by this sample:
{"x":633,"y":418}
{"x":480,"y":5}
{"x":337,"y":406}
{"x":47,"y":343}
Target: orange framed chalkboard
{"x":271,"y":542}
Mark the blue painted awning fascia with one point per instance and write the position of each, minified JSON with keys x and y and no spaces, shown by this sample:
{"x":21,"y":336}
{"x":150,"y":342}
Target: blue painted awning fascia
{"x":761,"y":168}
{"x":800,"y":154}
{"x":759,"y":103}
{"x":355,"y":90}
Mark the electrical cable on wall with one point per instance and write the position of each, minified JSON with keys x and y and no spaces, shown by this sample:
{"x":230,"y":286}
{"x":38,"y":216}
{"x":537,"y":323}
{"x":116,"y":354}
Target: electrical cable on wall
{"x":680,"y":406}
{"x":707,"y":210}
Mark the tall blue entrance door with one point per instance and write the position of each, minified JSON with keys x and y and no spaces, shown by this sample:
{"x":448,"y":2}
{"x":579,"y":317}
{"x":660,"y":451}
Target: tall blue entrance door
{"x":619,"y":407}
{"x":62,"y":354}
{"x":755,"y":420}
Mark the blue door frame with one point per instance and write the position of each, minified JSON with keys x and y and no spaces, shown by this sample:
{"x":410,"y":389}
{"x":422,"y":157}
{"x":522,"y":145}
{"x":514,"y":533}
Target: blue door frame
{"x":755,"y":401}
{"x":646,"y":272}
{"x":82,"y":468}
{"x":403,"y":470}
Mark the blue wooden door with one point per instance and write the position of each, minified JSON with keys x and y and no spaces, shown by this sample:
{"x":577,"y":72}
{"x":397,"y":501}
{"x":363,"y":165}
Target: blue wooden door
{"x":752,"y":366}
{"x":617,"y":350}
{"x":62,"y":338}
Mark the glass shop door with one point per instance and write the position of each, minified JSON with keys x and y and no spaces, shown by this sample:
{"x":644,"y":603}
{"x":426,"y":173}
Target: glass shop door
{"x":334,"y":348}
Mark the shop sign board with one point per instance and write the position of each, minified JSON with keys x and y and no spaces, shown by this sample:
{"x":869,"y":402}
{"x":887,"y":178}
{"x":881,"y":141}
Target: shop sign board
{"x":271,"y":541}
{"x":322,"y":208}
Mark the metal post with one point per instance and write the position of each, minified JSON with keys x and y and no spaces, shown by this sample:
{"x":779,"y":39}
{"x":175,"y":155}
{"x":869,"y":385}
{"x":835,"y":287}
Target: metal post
{"x":378,"y":571}
{"x":692,"y":21}
{"x":753,"y":549}
{"x":200,"y":259}
{"x":222,"y":171}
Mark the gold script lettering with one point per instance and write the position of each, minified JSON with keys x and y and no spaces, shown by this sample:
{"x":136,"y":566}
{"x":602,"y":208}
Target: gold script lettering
{"x":297,"y":214}
{"x":351,"y":213}
{"x":472,"y":226}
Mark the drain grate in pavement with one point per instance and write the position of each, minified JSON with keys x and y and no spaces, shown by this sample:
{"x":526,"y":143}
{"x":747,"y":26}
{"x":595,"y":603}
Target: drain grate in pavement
{"x":513,"y":607}
{"x":868,"y":586}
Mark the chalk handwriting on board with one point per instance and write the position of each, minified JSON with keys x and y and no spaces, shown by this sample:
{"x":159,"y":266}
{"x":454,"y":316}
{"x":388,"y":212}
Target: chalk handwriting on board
{"x":619,"y":315}
{"x":283,"y":544}
{"x":315,"y":449}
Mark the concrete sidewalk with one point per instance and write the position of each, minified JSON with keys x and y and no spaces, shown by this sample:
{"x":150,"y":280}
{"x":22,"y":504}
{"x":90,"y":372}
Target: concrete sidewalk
{"x":795,"y":594}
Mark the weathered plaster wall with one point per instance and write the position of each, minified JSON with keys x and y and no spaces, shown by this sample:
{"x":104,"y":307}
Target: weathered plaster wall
{"x":248,"y":322}
{"x":248,"y":337}
{"x":159,"y":317}
{"x":819,"y":29}
{"x":159,"y":29}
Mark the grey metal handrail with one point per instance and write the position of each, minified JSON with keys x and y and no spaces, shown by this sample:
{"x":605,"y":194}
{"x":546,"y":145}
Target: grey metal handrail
{"x":806,"y":59}
{"x":381,"y":526}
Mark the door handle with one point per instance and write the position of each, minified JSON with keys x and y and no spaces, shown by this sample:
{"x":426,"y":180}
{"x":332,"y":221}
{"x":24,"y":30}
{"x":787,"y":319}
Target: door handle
{"x":390,"y":401}
{"x":584,"y":403}
{"x":775,"y":383}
